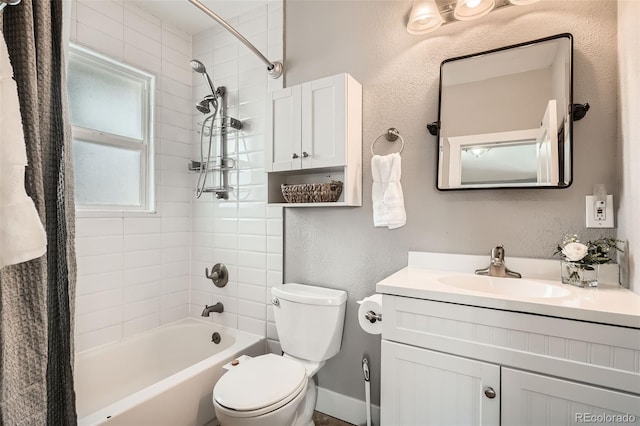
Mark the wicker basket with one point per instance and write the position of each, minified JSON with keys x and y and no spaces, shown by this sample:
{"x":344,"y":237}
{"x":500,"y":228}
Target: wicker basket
{"x":312,"y":192}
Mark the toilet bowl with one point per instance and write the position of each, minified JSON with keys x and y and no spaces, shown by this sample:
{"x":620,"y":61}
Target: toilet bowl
{"x":274,"y":390}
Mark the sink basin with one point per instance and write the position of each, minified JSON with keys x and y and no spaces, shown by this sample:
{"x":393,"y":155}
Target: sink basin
{"x":504,"y":286}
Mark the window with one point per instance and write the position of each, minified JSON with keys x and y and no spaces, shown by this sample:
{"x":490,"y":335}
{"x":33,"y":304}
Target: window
{"x":111,"y":116}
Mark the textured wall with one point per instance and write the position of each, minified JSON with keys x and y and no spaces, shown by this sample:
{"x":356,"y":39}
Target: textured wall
{"x":629,"y":105}
{"x":338,"y":247}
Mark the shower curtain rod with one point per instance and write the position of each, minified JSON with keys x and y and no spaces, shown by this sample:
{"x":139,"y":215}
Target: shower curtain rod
{"x":4,"y":3}
{"x":273,"y":68}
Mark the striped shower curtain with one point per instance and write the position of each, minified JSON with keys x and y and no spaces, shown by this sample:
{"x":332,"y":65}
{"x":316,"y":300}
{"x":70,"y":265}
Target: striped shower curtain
{"x":36,"y":297}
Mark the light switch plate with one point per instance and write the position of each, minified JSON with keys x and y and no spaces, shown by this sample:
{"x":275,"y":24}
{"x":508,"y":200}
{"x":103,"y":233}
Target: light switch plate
{"x":594,"y":218}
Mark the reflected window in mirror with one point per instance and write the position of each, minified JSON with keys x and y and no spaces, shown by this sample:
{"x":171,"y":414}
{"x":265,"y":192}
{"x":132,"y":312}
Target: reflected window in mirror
{"x":505,"y":117}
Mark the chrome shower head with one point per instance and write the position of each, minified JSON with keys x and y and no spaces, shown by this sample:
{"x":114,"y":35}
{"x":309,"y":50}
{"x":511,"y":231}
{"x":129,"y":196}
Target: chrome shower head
{"x":204,"y":105}
{"x":199,"y":67}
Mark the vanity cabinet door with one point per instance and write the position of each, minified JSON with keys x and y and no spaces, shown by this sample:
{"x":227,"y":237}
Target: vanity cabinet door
{"x":534,"y":399}
{"x":324,"y":122}
{"x":423,"y":387}
{"x":282,"y":145}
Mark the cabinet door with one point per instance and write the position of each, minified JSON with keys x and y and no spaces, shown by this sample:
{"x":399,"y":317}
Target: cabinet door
{"x":282,"y":145}
{"x":537,"y":400}
{"x":423,"y":387}
{"x":324,"y":121}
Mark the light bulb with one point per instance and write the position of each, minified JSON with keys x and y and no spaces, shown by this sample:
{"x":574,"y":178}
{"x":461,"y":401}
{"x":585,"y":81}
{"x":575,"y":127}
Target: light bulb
{"x":473,"y":3}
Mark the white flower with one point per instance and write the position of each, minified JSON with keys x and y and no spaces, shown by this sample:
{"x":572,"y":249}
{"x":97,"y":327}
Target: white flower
{"x":575,"y":251}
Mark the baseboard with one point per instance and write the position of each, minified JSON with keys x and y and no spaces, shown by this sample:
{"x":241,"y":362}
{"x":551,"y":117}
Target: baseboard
{"x":346,"y":408}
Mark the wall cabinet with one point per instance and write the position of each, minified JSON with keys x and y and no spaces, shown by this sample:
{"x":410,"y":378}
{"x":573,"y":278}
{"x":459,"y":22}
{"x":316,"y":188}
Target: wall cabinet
{"x":314,"y":135}
{"x":447,"y":364}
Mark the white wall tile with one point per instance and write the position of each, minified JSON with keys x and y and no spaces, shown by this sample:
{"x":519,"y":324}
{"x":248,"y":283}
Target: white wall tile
{"x":136,"y":293}
{"x":88,"y":265}
{"x":142,"y":59}
{"x":98,"y":283}
{"x":142,"y":22}
{"x":169,"y":315}
{"x":141,"y":308}
{"x":97,"y":40}
{"x":251,"y":325}
{"x":94,"y":246}
{"x":144,"y":42}
{"x":91,"y":227}
{"x":90,"y":303}
{"x":91,"y":321}
{"x":100,"y":22}
{"x":140,"y":325}
{"x":99,"y":337}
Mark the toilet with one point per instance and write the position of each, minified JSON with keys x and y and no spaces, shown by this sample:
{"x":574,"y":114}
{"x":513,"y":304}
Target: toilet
{"x":274,"y":390}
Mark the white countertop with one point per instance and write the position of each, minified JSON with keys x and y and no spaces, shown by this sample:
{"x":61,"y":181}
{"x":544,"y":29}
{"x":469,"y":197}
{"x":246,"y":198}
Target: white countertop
{"x":606,"y":304}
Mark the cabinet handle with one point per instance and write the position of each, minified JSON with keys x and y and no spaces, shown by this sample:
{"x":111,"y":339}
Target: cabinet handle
{"x":490,"y":393}
{"x":305,"y":154}
{"x":294,"y":156}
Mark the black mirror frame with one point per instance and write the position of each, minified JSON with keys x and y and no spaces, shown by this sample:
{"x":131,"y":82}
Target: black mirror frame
{"x":576,"y":112}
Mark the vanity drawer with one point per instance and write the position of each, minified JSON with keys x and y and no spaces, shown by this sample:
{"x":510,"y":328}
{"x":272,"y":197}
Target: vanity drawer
{"x":601,"y":354}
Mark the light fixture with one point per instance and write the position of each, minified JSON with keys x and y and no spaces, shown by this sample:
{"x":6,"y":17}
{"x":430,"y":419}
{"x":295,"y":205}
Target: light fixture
{"x":424,"y":17}
{"x":467,"y":10}
{"x":478,"y":151}
{"x":428,"y":15}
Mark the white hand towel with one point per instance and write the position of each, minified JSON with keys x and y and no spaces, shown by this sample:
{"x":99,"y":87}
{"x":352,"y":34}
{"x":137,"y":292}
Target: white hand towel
{"x":22,"y":236}
{"x":388,"y":200}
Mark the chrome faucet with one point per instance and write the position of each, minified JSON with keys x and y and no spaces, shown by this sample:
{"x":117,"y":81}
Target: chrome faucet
{"x":218,"y":307}
{"x":497,"y":267}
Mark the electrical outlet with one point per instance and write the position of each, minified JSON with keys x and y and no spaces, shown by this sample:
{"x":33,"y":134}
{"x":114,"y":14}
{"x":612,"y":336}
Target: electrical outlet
{"x":599,"y":214}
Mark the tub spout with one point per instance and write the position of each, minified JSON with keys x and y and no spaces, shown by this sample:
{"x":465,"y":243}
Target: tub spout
{"x":218,"y":307}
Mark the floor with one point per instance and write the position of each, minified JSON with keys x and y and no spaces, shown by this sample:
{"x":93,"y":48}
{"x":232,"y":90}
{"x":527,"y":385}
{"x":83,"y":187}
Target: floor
{"x":321,"y":419}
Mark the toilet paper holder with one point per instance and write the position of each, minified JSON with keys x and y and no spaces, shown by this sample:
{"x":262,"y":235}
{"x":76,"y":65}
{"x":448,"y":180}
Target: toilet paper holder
{"x":372,"y":317}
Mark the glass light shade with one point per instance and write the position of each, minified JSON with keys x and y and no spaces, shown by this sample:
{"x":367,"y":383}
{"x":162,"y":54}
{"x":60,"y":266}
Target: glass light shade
{"x":522,"y":2}
{"x":467,"y":10}
{"x":424,"y":17}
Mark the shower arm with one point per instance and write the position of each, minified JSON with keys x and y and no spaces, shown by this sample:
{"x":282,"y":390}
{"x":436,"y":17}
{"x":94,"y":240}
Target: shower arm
{"x":273,"y":68}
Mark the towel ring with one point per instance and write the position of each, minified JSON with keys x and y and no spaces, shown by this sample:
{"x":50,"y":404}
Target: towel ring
{"x":392,"y":134}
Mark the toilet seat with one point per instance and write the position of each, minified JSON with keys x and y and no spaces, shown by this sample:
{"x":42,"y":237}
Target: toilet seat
{"x":260,"y":385}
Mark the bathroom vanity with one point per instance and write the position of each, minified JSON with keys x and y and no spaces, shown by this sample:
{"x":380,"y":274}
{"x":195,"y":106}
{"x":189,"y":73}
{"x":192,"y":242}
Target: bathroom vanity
{"x":460,"y":349}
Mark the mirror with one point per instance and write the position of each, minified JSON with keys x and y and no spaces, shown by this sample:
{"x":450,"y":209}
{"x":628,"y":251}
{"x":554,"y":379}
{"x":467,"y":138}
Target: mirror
{"x":504,"y":119}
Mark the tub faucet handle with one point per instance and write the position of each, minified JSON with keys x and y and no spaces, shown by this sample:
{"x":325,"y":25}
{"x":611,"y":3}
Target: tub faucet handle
{"x":219,"y":274}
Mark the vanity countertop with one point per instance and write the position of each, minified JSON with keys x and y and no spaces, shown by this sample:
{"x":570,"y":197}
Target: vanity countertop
{"x":424,"y":279}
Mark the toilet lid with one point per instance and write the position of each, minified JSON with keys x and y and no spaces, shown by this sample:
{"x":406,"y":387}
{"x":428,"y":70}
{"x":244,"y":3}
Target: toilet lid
{"x":259,"y":383}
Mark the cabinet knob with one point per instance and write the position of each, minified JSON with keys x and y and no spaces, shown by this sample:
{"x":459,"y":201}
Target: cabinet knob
{"x":305,"y":154}
{"x":294,"y":156}
{"x":490,"y":393}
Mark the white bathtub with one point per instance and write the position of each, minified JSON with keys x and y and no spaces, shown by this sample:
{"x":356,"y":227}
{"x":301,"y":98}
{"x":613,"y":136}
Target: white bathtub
{"x":163,"y":377}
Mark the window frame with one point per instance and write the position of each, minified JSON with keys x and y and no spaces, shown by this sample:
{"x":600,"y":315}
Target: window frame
{"x":144,"y":145}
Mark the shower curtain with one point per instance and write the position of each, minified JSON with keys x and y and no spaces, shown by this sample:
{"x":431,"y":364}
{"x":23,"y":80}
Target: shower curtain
{"x":36,"y":297}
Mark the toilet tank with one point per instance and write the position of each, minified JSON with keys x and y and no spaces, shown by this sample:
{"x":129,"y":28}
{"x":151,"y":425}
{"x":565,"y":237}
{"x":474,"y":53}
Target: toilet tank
{"x":309,"y":320}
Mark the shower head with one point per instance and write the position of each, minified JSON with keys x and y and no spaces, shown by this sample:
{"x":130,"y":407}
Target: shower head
{"x":199,"y":67}
{"x":204,"y":106}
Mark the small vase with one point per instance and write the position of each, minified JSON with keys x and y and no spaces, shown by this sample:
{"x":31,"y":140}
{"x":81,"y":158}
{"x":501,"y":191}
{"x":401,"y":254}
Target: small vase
{"x":579,"y":274}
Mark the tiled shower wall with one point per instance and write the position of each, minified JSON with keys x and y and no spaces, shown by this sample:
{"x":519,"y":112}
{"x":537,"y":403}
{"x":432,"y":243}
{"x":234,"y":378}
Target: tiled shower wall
{"x":133,"y":269}
{"x":241,"y":232}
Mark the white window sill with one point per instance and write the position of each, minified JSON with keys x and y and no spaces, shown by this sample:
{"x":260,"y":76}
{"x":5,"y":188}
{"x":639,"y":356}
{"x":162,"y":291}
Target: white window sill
{"x":114,"y":213}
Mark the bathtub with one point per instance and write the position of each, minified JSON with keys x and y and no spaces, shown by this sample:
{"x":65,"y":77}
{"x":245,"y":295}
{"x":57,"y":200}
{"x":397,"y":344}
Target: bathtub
{"x":162,"y":377}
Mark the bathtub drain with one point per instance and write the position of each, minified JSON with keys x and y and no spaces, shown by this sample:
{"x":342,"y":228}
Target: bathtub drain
{"x":215,"y":337}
